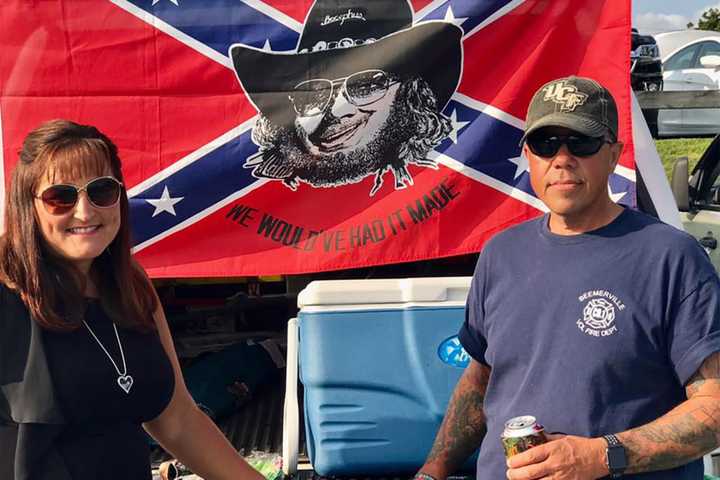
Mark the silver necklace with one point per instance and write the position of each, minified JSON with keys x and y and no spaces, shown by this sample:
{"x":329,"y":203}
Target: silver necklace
{"x":124,"y":380}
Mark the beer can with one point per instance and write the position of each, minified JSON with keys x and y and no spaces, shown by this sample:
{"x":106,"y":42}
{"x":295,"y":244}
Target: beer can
{"x":522,"y":433}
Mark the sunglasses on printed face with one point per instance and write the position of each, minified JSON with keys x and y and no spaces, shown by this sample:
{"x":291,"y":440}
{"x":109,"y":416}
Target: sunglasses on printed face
{"x":547,"y":145}
{"x":312,"y":97}
{"x":102,"y":192}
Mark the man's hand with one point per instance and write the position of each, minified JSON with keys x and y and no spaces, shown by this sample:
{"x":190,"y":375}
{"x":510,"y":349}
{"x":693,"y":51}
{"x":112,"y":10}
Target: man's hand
{"x":563,"y":457}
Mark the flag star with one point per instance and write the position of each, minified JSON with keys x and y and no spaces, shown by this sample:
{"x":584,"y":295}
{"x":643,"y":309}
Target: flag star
{"x":456,"y":126}
{"x":450,"y":17}
{"x":174,"y":2}
{"x":165,"y":203}
{"x":267,"y":47}
{"x":616,"y":196}
{"x":522,"y":165}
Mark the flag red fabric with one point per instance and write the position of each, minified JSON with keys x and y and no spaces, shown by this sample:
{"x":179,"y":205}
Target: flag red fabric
{"x":284,"y":137}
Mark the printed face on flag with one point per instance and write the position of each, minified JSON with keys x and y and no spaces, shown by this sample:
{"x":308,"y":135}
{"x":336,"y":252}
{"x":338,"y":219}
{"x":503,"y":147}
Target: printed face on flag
{"x":335,"y":116}
{"x":368,"y":111}
{"x":274,"y":137}
{"x":335,"y":141}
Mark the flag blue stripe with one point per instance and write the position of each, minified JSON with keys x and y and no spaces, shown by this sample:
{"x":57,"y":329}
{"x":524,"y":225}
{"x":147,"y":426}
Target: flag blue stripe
{"x":202,"y":183}
{"x":486,"y":145}
{"x":220,"y":23}
{"x":620,"y":184}
{"x":476,"y":11}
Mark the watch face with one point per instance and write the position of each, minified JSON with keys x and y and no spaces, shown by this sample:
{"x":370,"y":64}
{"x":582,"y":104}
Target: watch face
{"x":617,"y":460}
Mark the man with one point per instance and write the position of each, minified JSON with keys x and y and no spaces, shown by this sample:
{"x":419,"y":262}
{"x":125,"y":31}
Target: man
{"x":346,"y":105}
{"x":602,"y":322}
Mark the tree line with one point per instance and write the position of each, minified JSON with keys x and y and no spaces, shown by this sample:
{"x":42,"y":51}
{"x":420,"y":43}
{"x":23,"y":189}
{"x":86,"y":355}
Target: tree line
{"x":709,"y":20}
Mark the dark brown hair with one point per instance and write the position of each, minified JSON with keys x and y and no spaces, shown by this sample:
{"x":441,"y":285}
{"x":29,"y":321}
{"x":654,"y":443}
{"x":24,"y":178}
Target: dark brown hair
{"x":51,"y":287}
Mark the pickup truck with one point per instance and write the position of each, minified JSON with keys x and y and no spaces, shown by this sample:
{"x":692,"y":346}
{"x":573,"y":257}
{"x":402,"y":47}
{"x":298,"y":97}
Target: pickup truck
{"x":698,"y":198}
{"x":645,"y":65}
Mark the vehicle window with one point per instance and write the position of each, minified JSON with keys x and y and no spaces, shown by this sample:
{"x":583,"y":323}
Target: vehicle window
{"x":683,"y":59}
{"x":709,"y":188}
{"x":708,"y":48}
{"x":712,"y":196}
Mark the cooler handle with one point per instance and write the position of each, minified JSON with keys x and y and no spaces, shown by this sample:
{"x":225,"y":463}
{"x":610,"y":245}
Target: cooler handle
{"x":291,"y":414}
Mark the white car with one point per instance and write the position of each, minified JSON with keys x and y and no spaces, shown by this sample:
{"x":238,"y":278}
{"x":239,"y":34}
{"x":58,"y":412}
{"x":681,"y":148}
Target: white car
{"x":691,"y":61}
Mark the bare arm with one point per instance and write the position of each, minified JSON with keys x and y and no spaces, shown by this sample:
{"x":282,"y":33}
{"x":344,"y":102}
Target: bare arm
{"x":682,"y":435}
{"x":463,"y":427}
{"x":188,"y":434}
{"x":687,"y":432}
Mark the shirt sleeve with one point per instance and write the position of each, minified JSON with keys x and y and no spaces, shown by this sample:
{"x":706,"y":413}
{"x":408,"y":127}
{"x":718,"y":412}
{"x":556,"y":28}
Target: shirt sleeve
{"x":14,"y":340}
{"x":694,"y":330}
{"x":471,"y":334}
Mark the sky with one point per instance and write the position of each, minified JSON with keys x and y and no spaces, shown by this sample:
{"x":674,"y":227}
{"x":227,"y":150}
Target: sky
{"x":655,"y":16}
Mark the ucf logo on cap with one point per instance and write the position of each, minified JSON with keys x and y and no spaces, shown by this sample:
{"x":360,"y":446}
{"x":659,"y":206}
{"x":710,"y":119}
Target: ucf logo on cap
{"x":567,"y":96}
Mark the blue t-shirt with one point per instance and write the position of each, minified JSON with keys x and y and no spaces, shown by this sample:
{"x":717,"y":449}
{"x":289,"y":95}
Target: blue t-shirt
{"x":593,"y":333}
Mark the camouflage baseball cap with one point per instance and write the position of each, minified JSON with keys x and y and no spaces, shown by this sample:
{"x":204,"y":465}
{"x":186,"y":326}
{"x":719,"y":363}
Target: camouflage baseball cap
{"x":577,"y":103}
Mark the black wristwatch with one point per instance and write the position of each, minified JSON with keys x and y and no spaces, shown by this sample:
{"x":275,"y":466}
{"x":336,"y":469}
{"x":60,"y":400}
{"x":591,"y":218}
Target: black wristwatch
{"x":615,"y":456}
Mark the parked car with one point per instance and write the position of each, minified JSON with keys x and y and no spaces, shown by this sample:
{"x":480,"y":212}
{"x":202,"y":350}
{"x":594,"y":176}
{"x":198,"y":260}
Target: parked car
{"x":670,"y":42}
{"x":691,"y":61}
{"x":646,"y":66}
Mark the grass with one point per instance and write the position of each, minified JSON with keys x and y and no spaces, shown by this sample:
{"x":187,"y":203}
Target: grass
{"x":671,"y":149}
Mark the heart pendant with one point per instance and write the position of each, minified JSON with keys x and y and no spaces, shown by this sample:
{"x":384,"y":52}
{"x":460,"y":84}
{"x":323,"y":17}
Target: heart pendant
{"x":125,"y":382}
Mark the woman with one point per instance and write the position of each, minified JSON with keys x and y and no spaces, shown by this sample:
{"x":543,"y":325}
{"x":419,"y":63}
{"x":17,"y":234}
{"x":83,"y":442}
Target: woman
{"x":86,"y":357}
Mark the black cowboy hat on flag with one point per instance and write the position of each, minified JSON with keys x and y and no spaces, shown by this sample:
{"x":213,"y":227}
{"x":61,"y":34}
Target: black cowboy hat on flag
{"x":342,"y":37}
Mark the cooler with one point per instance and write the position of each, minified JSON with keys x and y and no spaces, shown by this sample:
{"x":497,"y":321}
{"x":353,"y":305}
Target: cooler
{"x":378,"y":360}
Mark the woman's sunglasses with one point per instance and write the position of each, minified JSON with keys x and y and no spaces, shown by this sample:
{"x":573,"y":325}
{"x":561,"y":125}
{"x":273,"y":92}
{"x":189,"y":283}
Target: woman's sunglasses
{"x":102,"y":192}
{"x":547,"y":146}
{"x":312,"y":97}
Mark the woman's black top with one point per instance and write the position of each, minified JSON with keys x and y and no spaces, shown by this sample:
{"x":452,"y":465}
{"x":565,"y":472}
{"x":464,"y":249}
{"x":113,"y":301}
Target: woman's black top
{"x":104,"y":437}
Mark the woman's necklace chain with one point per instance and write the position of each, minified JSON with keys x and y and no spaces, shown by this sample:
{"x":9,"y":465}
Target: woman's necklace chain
{"x":124,"y":380}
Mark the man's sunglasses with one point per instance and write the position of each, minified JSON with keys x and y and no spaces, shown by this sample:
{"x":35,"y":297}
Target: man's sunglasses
{"x":547,"y":146}
{"x":312,"y":97}
{"x":102,"y":192}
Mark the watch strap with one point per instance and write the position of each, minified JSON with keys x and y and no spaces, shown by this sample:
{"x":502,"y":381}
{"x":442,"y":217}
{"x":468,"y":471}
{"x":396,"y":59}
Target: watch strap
{"x":614,"y":443}
{"x":612,"y":440}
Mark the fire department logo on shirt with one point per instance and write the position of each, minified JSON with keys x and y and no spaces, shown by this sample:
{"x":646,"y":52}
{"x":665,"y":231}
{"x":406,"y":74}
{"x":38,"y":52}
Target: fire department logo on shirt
{"x":599,"y":312}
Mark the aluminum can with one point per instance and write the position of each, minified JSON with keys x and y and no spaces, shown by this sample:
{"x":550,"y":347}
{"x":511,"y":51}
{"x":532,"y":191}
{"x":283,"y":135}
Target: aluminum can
{"x":522,"y":433}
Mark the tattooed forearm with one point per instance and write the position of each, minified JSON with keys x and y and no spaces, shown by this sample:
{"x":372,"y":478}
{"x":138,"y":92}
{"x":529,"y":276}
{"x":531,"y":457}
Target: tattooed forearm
{"x":463,"y":427}
{"x":672,"y":441}
{"x":687,"y":432}
{"x":461,"y":431}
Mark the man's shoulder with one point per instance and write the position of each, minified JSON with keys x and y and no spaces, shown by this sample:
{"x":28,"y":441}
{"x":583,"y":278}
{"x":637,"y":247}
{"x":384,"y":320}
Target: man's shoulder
{"x":658,"y":233}
{"x":668,"y":248}
{"x":638,"y":229}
